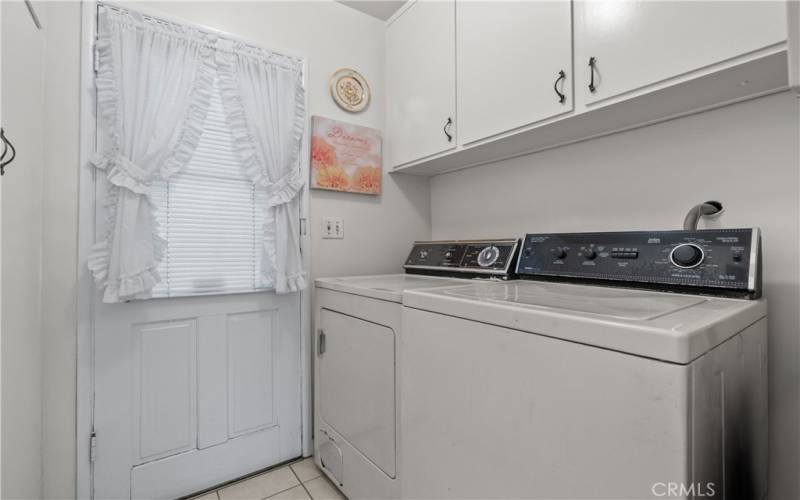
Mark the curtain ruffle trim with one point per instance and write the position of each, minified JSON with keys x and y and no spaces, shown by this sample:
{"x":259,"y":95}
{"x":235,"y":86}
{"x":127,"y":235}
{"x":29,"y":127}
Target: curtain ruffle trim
{"x":106,"y":88}
{"x":195,"y":117}
{"x":252,"y":164}
{"x":286,"y":188}
{"x":128,"y":287}
{"x":297,"y":136}
{"x":122,"y":172}
{"x":291,"y":283}
{"x":282,"y":190}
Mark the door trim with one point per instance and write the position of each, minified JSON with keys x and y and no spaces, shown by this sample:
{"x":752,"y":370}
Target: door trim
{"x":84,"y":422}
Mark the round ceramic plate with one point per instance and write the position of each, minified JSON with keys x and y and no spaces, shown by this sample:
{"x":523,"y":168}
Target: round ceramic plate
{"x":350,"y":90}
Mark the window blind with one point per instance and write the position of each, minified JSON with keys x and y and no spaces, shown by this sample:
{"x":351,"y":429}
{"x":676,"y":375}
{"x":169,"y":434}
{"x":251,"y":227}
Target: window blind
{"x":211,"y":218}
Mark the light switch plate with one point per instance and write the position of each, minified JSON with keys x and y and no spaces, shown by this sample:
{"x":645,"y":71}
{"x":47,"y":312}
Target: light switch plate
{"x":333,"y":228}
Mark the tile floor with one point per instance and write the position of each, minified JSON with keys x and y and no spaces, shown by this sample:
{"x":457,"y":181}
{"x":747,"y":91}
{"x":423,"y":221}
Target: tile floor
{"x":300,"y":480}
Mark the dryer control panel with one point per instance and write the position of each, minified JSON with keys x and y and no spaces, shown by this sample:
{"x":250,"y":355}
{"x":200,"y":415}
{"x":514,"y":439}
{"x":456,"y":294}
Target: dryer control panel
{"x":464,"y":257}
{"x":723,"y":262}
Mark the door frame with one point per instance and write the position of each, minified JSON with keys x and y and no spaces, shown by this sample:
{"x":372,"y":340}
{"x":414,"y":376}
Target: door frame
{"x":86,"y":235}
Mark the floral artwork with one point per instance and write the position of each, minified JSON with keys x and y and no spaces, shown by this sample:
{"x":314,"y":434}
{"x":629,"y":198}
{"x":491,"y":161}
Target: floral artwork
{"x":345,"y":157}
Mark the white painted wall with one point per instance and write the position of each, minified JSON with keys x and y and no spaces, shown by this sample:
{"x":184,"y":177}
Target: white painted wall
{"x":378,"y":230}
{"x":23,"y":121}
{"x":746,"y":155}
{"x":59,"y":246}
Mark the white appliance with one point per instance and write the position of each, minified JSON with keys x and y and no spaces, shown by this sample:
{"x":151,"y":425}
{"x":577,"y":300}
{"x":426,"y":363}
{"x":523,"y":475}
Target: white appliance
{"x":560,"y":388}
{"x":356,"y":367}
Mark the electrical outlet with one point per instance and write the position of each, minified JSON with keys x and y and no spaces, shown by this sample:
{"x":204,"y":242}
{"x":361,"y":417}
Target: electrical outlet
{"x":333,"y":228}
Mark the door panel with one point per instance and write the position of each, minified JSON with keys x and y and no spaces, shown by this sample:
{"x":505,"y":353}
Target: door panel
{"x":212,"y":381}
{"x":642,"y":42}
{"x":251,"y":361}
{"x":192,"y":392}
{"x":164,"y":388}
{"x":168,"y":477}
{"x":509,"y":58}
{"x":357,"y":385}
{"x":421,"y":81}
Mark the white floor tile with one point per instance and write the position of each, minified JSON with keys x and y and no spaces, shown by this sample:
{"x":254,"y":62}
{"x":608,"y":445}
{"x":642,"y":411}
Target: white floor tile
{"x":296,"y":493}
{"x":306,"y":469}
{"x":322,"y":489}
{"x":260,"y":487}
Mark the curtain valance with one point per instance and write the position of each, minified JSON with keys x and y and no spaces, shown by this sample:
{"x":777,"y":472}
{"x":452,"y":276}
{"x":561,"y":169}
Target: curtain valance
{"x":154,"y":83}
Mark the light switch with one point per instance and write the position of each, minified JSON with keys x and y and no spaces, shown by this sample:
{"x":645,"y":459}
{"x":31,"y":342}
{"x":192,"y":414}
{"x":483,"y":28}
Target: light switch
{"x":333,"y":228}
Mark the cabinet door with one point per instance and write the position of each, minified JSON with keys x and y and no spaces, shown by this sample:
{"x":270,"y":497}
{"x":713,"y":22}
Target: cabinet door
{"x":643,"y":42}
{"x":510,"y":55}
{"x":421,"y":81}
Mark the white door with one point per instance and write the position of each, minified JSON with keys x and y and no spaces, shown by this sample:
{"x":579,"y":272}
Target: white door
{"x":643,"y":42}
{"x":514,"y":65}
{"x":192,"y":392}
{"x":421,"y":82}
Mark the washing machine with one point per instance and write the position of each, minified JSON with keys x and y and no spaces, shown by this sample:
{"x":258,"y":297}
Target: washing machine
{"x":356,"y":366}
{"x":625,"y":365}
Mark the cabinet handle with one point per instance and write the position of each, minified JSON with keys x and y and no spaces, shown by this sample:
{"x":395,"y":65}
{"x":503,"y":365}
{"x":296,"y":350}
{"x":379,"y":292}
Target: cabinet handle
{"x":561,"y":96}
{"x":321,"y":343}
{"x":592,"y":64}
{"x":446,"y":129}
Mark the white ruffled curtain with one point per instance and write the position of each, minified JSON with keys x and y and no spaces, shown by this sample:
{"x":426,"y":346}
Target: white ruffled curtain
{"x":264,"y":101}
{"x":154,"y":84}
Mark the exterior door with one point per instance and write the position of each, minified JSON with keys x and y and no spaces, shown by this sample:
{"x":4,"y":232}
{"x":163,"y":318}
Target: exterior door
{"x":192,"y":392}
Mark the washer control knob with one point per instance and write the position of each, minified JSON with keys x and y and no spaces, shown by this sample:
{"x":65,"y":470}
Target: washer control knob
{"x":589,"y":254}
{"x":687,"y":255}
{"x":559,"y":253}
{"x":423,"y":254}
{"x":488,"y":256}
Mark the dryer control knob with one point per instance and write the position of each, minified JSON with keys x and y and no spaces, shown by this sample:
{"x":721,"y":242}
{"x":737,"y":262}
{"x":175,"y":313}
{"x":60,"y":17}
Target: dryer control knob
{"x":488,"y":256}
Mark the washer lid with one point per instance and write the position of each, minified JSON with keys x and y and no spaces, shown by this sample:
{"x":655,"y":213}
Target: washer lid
{"x":666,"y":326}
{"x":614,"y":302}
{"x":385,"y":286}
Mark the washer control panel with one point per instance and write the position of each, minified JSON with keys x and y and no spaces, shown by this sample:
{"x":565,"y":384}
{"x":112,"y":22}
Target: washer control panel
{"x":460,"y":257}
{"x":714,"y":261}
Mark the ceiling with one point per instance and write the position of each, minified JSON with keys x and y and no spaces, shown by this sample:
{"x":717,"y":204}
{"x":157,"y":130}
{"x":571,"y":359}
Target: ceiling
{"x":382,"y":9}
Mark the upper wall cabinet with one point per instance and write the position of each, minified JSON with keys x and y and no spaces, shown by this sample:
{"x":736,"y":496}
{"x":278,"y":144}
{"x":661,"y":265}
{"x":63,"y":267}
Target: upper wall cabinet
{"x":651,"y":60}
{"x":514,"y":65}
{"x":637,"y":43}
{"x":421,"y":81}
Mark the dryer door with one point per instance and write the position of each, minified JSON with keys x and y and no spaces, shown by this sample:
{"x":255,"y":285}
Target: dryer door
{"x":357,"y":385}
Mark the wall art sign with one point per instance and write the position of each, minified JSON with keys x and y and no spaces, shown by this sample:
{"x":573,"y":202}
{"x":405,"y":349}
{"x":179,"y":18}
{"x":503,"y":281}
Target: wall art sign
{"x":345,"y":157}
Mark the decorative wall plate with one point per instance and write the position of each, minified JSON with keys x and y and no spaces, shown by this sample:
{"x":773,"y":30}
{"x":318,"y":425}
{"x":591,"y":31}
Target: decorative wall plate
{"x":350,"y":90}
